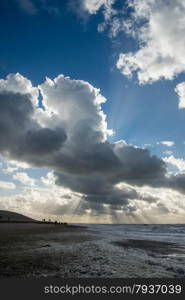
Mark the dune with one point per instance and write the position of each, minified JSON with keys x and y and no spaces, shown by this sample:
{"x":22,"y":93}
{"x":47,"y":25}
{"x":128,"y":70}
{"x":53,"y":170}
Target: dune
{"x":11,"y":216}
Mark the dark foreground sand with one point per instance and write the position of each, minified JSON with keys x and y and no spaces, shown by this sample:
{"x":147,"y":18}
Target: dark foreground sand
{"x":35,"y":250}
{"x":15,"y":228}
{"x":42,"y":250}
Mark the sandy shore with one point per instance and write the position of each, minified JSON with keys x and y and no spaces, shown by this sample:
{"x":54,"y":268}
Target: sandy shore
{"x":35,"y":250}
{"x":31,"y":228}
{"x":42,"y":250}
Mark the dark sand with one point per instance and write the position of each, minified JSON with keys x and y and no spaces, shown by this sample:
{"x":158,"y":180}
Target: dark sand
{"x":33,"y":250}
{"x":14,"y":228}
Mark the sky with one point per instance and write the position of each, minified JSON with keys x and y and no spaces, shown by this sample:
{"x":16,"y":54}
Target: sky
{"x":92,"y":110}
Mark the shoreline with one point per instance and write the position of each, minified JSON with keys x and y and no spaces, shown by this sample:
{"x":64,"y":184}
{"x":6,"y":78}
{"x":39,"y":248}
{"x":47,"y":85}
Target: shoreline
{"x":31,"y":250}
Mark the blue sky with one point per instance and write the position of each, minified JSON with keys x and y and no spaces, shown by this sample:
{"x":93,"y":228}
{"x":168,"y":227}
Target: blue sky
{"x":42,"y":39}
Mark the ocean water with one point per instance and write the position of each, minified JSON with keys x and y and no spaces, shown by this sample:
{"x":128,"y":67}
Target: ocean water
{"x":167,"y":232}
{"x":104,"y":257}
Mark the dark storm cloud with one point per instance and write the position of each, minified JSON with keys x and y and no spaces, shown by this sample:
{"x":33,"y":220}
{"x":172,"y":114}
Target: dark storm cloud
{"x":85,"y":157}
{"x":128,"y":163}
{"x":177,"y":182}
{"x":22,"y":137}
{"x":84,"y":184}
{"x":97,"y":181}
{"x":44,"y":140}
{"x":138,"y":166}
{"x":118,"y":197}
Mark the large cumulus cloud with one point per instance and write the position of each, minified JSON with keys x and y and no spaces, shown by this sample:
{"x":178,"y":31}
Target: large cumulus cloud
{"x":69,"y":134}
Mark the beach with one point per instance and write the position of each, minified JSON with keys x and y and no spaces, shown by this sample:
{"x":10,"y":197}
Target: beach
{"x":47,"y":250}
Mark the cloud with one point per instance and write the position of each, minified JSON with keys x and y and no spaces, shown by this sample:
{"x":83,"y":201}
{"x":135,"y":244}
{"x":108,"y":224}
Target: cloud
{"x":9,"y":166}
{"x":180,"y":90}
{"x":168,"y":152}
{"x":159,"y":27}
{"x":9,"y":170}
{"x":167,"y":143}
{"x":22,"y":137}
{"x":179,"y":163}
{"x":177,"y":182}
{"x":106,"y":168}
{"x":16,"y":83}
{"x":69,"y":135}
{"x":24,"y":178}
{"x":64,"y":205}
{"x":49,"y":179}
{"x":7,"y":185}
{"x":90,"y":7}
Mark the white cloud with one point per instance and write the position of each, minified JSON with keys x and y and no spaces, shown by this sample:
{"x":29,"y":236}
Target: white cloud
{"x":7,"y":185}
{"x":19,"y":84}
{"x":180,"y":90}
{"x":10,"y":166}
{"x":167,"y":143}
{"x":92,"y":6}
{"x":168,"y":152}
{"x":24,"y":178}
{"x":49,"y":179}
{"x":64,"y":98}
{"x":9,"y":170}
{"x":179,"y":163}
{"x":52,"y":202}
{"x":19,"y":164}
{"x":159,"y":27}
